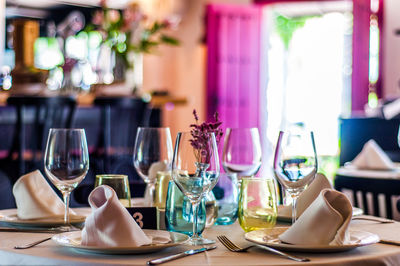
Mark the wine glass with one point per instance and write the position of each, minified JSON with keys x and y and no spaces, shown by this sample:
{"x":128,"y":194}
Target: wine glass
{"x":242,"y":151}
{"x":66,"y":161}
{"x":152,"y":154}
{"x":295,"y":163}
{"x":195,"y":170}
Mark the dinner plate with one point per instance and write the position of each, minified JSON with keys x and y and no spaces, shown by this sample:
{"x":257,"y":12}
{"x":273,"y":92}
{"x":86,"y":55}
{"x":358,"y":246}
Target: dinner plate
{"x":10,"y":217}
{"x":269,"y":237}
{"x":73,"y":240}
{"x":288,"y":219}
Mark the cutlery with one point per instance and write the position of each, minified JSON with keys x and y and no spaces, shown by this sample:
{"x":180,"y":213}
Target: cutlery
{"x":389,"y":242}
{"x":373,"y":219}
{"x":60,"y":230}
{"x":179,"y":255}
{"x":33,"y":230}
{"x":235,"y":248}
{"x":32,"y":244}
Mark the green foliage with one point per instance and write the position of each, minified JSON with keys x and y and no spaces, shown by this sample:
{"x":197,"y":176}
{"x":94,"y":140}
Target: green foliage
{"x":285,"y":27}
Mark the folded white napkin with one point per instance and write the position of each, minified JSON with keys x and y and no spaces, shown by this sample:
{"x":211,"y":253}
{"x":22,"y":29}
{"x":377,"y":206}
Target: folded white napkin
{"x":324,"y":222}
{"x":304,"y":200}
{"x":373,"y":157}
{"x":36,"y":199}
{"x":111,"y":225}
{"x":155,"y":168}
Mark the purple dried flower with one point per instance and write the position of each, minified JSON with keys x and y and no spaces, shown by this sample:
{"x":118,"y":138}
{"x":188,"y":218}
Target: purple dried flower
{"x":200,"y":137}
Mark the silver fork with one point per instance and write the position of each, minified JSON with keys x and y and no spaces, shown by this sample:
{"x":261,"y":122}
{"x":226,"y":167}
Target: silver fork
{"x":235,"y":248}
{"x":30,"y":245}
{"x":61,"y":229}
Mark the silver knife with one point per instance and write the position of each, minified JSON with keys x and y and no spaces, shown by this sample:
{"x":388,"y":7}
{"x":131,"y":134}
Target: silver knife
{"x":179,"y":255}
{"x":32,"y":230}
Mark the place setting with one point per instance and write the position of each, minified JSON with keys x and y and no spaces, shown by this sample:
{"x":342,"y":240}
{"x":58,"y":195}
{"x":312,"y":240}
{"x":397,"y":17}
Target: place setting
{"x":191,"y":195}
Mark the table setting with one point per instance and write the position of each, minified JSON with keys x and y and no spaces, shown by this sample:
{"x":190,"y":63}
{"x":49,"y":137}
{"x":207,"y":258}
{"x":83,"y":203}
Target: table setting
{"x":317,"y":226}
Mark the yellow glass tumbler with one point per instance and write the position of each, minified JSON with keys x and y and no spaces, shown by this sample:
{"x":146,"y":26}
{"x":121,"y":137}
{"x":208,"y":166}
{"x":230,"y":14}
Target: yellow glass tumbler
{"x":161,"y":189}
{"x":119,"y":183}
{"x":257,"y":203}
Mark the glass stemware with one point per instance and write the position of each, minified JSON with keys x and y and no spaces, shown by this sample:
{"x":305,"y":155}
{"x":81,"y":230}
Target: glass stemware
{"x":195,"y":170}
{"x":66,"y":161}
{"x":242,"y":152}
{"x":152,"y":154}
{"x":295,"y":163}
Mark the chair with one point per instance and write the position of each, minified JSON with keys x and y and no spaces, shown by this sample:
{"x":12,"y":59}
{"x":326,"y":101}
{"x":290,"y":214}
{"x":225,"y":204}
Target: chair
{"x":376,"y":197}
{"x":7,"y":200}
{"x":34,"y":117}
{"x":119,"y":120}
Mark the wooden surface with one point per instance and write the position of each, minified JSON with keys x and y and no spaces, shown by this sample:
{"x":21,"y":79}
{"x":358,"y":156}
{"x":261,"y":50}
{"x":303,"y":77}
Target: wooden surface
{"x":86,"y":99}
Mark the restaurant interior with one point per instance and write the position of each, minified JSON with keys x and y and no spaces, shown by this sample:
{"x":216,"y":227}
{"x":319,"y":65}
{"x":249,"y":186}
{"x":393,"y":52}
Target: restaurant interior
{"x":133,"y":130}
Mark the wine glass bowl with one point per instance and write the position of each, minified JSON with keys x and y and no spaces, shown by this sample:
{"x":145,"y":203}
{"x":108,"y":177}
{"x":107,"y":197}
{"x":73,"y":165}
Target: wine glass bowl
{"x":295,"y":163}
{"x":66,"y":161}
{"x":195,"y":170}
{"x":242,"y":151}
{"x":152,"y":154}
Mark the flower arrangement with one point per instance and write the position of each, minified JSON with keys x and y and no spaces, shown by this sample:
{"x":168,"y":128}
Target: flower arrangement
{"x":200,"y":134}
{"x":129,"y":30}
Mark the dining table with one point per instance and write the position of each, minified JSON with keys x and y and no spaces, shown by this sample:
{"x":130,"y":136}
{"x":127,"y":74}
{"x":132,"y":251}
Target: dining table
{"x":50,"y":253}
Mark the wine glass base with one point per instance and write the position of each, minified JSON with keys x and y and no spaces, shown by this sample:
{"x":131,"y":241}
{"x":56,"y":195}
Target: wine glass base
{"x":200,"y":241}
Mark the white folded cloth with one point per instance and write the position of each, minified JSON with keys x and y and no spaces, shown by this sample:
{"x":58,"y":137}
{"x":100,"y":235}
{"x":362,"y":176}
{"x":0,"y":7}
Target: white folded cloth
{"x":111,"y":225}
{"x":155,"y":168}
{"x":304,"y":200}
{"x":373,"y":157}
{"x":324,"y":222}
{"x":36,"y":199}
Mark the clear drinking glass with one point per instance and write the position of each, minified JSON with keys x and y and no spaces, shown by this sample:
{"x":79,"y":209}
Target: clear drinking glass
{"x":152,"y":154}
{"x":66,"y":161}
{"x":257,"y":204}
{"x":295,"y":163}
{"x":195,"y":170}
{"x":119,"y":183}
{"x":242,"y":151}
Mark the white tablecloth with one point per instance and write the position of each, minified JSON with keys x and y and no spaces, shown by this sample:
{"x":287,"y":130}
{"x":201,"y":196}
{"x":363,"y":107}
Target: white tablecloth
{"x":49,"y":253}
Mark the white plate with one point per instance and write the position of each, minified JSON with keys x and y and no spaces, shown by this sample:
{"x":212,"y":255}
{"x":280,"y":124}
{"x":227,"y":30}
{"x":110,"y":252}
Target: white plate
{"x":288,"y":219}
{"x":73,"y":240}
{"x":10,"y":217}
{"x":269,"y":237}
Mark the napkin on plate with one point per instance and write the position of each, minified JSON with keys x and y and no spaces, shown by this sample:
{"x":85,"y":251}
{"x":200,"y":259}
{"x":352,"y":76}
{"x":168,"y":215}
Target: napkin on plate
{"x":304,"y":200}
{"x":35,"y":199}
{"x":111,"y":225}
{"x":373,"y":157}
{"x":324,"y":222}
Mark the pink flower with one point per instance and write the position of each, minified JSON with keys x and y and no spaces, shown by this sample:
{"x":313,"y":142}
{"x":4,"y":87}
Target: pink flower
{"x":98,"y":17}
{"x":113,"y":15}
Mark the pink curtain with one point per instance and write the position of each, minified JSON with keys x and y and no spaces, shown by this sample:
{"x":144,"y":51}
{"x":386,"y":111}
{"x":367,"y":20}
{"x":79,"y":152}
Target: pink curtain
{"x":360,"y":74}
{"x":233,"y":41}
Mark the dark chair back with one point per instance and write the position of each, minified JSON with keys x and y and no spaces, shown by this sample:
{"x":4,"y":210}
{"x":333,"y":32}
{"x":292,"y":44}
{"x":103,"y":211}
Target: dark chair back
{"x":389,"y":188}
{"x":119,"y":121}
{"x":35,"y":116}
{"x":120,"y":118}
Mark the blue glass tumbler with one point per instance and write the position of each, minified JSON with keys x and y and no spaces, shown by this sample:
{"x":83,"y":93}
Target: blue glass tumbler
{"x":179,"y":214}
{"x":227,"y":196}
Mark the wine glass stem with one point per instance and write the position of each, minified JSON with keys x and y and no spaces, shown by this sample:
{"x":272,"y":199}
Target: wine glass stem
{"x":294,"y":213}
{"x":195,"y":206}
{"x":66,"y":196}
